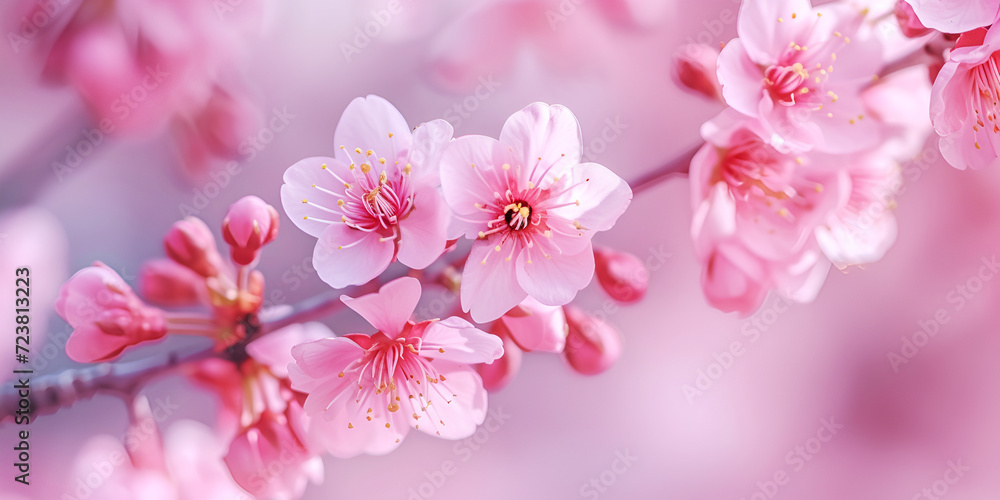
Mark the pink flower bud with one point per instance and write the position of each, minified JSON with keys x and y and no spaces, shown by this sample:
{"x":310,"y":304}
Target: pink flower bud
{"x":105,"y":314}
{"x":191,"y":244}
{"x":497,"y":375}
{"x":695,"y":69}
{"x":249,"y":225}
{"x":908,"y":22}
{"x":592,"y":345}
{"x":167,"y":283}
{"x":269,"y":460}
{"x":622,"y":275}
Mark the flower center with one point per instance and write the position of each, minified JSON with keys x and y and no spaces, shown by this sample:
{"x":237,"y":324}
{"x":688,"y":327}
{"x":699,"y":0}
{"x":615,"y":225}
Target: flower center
{"x":517,"y":215}
{"x":785,"y":81}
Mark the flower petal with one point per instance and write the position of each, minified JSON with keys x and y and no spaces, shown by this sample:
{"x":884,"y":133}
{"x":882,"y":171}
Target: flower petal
{"x":555,"y":280}
{"x":455,"y":339}
{"x":372,"y":123}
{"x":452,"y":407}
{"x":423,"y":231}
{"x":429,"y":141}
{"x":301,"y":182}
{"x":602,"y":197}
{"x":344,"y":256}
{"x":489,"y":281}
{"x":542,"y":136}
{"x":391,"y":307}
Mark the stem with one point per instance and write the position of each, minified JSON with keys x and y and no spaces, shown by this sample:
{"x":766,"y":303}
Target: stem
{"x":677,"y":166}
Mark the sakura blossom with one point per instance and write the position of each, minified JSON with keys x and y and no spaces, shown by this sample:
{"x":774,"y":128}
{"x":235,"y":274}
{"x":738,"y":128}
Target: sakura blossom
{"x":532,"y":208}
{"x":366,"y":392}
{"x":376,"y":200}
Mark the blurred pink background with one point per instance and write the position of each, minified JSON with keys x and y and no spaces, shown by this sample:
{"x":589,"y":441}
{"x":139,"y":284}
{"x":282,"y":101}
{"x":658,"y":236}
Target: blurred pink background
{"x":561,"y":435}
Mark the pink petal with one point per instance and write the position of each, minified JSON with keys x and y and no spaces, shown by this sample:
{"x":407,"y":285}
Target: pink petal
{"x":345,"y":430}
{"x":740,"y":78}
{"x":429,"y":141}
{"x":366,"y":124}
{"x":391,"y":307}
{"x":760,"y":32}
{"x":423,"y":232}
{"x":603,"y":197}
{"x":465,"y":186}
{"x":538,"y":328}
{"x":542,"y":135}
{"x":274,"y":350}
{"x":455,"y":339}
{"x":299,"y":180}
{"x":458,"y":402}
{"x":955,"y":16}
{"x":489,"y":282}
{"x":344,"y":256}
{"x":554,"y":281}
{"x":320,"y":359}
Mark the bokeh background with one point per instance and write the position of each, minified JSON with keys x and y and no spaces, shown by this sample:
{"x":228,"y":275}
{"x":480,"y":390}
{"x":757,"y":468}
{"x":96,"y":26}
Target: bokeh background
{"x":899,"y":429}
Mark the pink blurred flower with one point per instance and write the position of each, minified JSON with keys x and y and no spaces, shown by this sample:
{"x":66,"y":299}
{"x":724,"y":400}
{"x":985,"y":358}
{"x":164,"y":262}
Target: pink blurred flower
{"x":622,"y":275}
{"x":964,"y":101}
{"x":365,"y":392}
{"x":909,"y":23}
{"x":800,"y":70}
{"x":532,"y":208}
{"x":216,"y":131}
{"x":756,"y":210}
{"x":696,"y":69}
{"x":593,"y":345}
{"x":270,"y":460}
{"x":955,"y":16}
{"x":534,"y":326}
{"x":377,"y":200}
{"x":105,"y":314}
{"x":249,"y":224}
{"x":185,"y":465}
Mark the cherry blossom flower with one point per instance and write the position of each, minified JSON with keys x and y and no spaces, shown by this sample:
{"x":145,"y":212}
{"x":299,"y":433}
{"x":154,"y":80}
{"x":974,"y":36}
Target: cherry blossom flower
{"x":800,"y":69}
{"x":365,"y":392}
{"x":105,"y":314}
{"x":377,"y":200}
{"x":955,"y":16}
{"x":593,"y":345}
{"x":185,"y":464}
{"x":532,"y":208}
{"x":696,"y":69}
{"x":756,"y":210}
{"x":965,"y":101}
{"x":622,"y":275}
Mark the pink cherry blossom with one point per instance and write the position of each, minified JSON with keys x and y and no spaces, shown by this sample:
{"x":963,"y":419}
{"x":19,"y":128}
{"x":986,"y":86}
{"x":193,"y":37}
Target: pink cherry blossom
{"x":365,"y":392}
{"x":964,"y":101}
{"x":105,"y":314}
{"x":215,"y":131}
{"x":191,"y":244}
{"x":799,"y":70}
{"x":377,"y":200}
{"x":955,"y":16}
{"x":593,"y":345}
{"x":532,"y":208}
{"x":622,"y":275}
{"x":756,"y":210}
{"x":249,"y":224}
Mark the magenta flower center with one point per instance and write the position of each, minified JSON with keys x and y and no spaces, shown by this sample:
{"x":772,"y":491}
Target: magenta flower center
{"x":375,"y":198}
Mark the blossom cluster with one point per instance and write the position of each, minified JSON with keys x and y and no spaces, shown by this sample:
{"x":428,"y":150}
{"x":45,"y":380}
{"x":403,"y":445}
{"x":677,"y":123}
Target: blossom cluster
{"x":800,"y":171}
